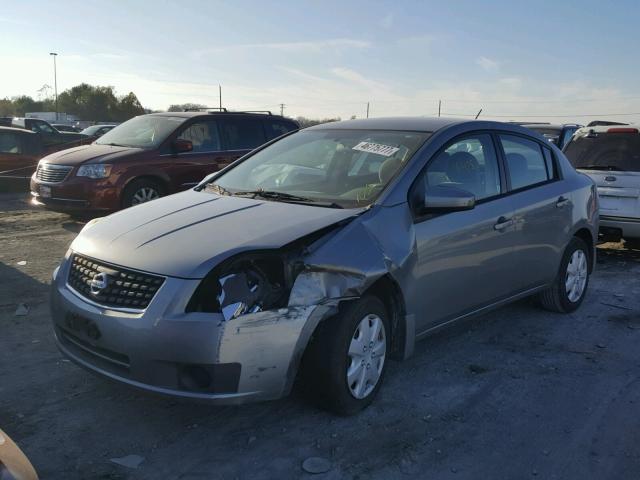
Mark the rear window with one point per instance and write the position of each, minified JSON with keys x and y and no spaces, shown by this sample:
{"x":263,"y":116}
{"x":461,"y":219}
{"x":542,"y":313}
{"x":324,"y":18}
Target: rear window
{"x":605,"y":151}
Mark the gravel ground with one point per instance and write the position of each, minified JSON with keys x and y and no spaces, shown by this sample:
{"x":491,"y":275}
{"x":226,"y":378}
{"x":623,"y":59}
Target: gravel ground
{"x":518,"y":393}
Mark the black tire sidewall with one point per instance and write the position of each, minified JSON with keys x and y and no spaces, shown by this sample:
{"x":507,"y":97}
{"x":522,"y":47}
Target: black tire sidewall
{"x":574,"y":244}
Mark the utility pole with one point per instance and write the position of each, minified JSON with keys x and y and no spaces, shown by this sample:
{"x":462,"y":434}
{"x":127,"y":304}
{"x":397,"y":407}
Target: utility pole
{"x":220,"y":95}
{"x":282,"y":105}
{"x":367,"y":109}
{"x":439,"y":106}
{"x":55,"y":80}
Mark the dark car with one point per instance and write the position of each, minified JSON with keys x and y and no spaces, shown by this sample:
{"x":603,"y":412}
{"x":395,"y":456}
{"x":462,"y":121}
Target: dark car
{"x":65,"y":128}
{"x":96,"y":131}
{"x":556,"y":134}
{"x":48,"y":134}
{"x":150,"y":156}
{"x":20,"y":151}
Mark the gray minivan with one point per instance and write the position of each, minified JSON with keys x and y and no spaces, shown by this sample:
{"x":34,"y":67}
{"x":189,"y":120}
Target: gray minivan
{"x":323,"y":254}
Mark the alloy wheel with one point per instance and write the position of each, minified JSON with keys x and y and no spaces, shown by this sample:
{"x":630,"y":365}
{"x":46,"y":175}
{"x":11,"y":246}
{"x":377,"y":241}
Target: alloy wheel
{"x":144,"y":194}
{"x":576,"y":278}
{"x":367,"y":352}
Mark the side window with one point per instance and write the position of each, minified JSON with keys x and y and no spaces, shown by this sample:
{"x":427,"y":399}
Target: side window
{"x":42,"y":127}
{"x":275,"y":128}
{"x":470,"y":164}
{"x":525,"y":162}
{"x":203,"y":135}
{"x":242,"y":133}
{"x":9,"y":143}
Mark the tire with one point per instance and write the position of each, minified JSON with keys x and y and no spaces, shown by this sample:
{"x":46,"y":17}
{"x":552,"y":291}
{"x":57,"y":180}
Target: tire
{"x":327,"y":360}
{"x":557,"y":298}
{"x":141,"y":191}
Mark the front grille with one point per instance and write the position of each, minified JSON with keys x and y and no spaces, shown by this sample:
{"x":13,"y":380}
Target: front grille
{"x":118,"y":287}
{"x":47,"y":172}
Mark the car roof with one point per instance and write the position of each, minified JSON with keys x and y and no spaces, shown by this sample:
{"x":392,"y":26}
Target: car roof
{"x":191,"y":114}
{"x":606,"y":128}
{"x":414,"y":124}
{"x":17,"y":130}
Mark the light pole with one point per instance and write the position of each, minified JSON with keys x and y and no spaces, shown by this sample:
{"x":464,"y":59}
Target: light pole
{"x":55,"y":81}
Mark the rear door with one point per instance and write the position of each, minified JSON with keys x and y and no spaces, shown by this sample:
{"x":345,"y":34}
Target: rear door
{"x":240,"y":135}
{"x":612,"y":160}
{"x":542,"y":205}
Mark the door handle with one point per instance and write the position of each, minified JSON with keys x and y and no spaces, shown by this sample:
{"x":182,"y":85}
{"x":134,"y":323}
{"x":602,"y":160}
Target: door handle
{"x":503,"y":222}
{"x":562,"y":201}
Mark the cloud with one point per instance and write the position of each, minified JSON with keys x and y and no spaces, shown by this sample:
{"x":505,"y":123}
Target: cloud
{"x":317,"y":46}
{"x":387,"y":21}
{"x":487,"y":64}
{"x":354,"y":77}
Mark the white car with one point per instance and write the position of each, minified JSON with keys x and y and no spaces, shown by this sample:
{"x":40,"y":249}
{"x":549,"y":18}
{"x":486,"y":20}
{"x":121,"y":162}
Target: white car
{"x":610,"y":155}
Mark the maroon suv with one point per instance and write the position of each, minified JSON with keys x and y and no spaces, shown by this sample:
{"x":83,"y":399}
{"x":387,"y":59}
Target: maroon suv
{"x":149,"y":156}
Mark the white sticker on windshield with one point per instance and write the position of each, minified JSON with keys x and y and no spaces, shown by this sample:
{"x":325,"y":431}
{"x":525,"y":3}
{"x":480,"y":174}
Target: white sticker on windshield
{"x":377,"y":148}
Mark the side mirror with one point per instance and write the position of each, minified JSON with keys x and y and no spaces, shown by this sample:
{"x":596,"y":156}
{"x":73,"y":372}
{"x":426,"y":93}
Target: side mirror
{"x":182,"y":146}
{"x":440,"y":199}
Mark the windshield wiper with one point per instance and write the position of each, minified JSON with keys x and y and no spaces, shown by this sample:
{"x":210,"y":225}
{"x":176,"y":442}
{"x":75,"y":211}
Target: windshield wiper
{"x":113,"y":144}
{"x":286,"y":197}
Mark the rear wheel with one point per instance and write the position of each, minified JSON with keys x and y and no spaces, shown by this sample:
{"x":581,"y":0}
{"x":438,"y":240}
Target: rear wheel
{"x":570,"y":286}
{"x":345,"y":363}
{"x":141,"y":191}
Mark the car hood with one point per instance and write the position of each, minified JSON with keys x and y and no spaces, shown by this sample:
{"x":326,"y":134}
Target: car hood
{"x":89,"y":153}
{"x":185,"y":235}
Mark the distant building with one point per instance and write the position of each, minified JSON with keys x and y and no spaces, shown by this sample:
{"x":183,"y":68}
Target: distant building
{"x":51,"y":117}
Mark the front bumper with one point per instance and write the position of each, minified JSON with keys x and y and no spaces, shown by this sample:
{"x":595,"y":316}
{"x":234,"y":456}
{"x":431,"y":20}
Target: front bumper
{"x":76,"y":194}
{"x":629,"y":227}
{"x":190,"y":355}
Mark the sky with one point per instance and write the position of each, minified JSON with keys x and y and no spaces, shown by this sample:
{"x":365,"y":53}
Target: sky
{"x":560,"y":61}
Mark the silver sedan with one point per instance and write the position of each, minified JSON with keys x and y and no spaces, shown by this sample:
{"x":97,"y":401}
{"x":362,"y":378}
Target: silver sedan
{"x":323,"y":254}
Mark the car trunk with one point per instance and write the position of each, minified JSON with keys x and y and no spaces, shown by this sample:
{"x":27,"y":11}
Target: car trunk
{"x":612,"y":160}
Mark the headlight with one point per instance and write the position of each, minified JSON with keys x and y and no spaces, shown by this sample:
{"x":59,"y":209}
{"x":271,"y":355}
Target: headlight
{"x":248,"y":283}
{"x":97,"y":170}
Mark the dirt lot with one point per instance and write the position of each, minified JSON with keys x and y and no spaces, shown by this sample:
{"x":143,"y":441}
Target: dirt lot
{"x":519,"y":393}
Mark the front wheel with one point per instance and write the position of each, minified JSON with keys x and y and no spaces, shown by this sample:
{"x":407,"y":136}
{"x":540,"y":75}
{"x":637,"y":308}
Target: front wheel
{"x":570,"y":286}
{"x":346,"y":360}
{"x":141,"y":191}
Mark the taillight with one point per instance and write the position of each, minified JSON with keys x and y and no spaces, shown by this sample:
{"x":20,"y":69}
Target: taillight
{"x":622,"y":130}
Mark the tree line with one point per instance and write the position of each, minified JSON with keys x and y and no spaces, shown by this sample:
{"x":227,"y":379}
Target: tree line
{"x":87,"y":102}
{"x":96,"y":103}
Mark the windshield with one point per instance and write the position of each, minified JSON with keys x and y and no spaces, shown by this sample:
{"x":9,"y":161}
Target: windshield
{"x":347,"y":168}
{"x":92,"y":129}
{"x":605,"y":151}
{"x":146,"y":131}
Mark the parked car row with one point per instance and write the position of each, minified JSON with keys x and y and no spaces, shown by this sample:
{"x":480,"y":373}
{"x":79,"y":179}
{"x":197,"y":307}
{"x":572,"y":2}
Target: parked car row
{"x":49,"y":134}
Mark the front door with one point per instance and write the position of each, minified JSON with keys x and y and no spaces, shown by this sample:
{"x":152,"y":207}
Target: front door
{"x":207,"y":156}
{"x":465,"y":258}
